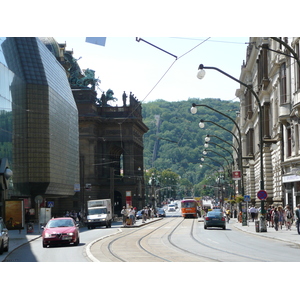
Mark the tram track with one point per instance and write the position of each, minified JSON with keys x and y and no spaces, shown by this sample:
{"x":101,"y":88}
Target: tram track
{"x":221,"y":250}
{"x":147,"y":244}
{"x":139,"y":241}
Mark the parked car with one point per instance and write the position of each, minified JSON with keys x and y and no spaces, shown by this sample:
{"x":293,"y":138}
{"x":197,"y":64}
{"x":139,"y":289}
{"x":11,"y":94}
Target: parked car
{"x":214,"y":219}
{"x":4,"y":237}
{"x":60,"y":231}
{"x":139,"y":215}
{"x":160,"y":212}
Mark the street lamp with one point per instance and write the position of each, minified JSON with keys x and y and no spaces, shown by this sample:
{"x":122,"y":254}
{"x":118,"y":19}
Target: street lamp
{"x":239,"y":142}
{"x":201,"y":74}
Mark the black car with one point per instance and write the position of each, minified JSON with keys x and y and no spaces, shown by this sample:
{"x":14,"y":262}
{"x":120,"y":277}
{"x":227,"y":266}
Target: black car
{"x":4,"y":238}
{"x":214,"y":219}
{"x":160,"y":212}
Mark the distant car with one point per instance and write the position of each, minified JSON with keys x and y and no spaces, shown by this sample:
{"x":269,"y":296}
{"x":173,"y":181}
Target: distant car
{"x":214,"y":219}
{"x":60,"y":231}
{"x":160,"y":212}
{"x":171,"y":207}
{"x":4,"y":237}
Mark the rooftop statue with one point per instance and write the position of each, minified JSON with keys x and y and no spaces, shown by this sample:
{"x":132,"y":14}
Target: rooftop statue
{"x":77,"y":78}
{"x":107,"y":97}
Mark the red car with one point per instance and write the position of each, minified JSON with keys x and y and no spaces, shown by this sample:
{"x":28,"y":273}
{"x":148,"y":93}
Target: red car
{"x":60,"y":231}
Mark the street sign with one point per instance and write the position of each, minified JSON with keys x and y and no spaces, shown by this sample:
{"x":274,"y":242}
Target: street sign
{"x":247,"y":198}
{"x":236,"y":175}
{"x":50,"y":204}
{"x":262,"y":195}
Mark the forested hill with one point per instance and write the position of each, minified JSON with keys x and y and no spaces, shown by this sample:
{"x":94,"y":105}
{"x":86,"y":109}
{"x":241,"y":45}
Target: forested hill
{"x":175,"y":141}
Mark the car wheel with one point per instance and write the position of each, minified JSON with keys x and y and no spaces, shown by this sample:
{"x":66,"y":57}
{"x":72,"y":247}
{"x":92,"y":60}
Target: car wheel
{"x":77,"y":242}
{"x":1,"y":248}
{"x":7,"y":246}
{"x":205,"y":227}
{"x":44,"y":245}
{"x":224,"y":227}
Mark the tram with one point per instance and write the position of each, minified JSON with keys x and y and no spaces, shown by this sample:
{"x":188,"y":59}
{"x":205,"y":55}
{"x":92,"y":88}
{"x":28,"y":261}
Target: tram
{"x":189,"y":208}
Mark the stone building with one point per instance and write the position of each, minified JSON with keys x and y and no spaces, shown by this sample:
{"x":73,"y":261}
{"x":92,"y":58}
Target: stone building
{"x":110,"y":139}
{"x":269,"y":119}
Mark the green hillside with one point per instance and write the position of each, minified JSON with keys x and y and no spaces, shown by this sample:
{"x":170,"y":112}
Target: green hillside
{"x":175,"y":142}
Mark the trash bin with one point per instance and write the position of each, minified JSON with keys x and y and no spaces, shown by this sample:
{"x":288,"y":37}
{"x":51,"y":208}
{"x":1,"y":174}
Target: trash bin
{"x":257,"y":226}
{"x":263,"y":224}
{"x":30,"y":228}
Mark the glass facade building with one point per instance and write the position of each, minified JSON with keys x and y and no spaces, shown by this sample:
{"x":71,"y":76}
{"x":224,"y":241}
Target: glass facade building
{"x":38,"y":120}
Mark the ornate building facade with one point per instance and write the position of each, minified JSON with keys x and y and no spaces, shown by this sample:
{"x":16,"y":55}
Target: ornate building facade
{"x":269,"y":119}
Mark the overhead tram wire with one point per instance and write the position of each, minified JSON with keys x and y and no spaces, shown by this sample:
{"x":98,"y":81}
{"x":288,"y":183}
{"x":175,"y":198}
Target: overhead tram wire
{"x":176,"y":58}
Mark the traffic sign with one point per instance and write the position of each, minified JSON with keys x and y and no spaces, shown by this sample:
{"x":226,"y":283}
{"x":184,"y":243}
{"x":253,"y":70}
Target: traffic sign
{"x":247,"y":198}
{"x":262,"y":195}
{"x":50,"y":204}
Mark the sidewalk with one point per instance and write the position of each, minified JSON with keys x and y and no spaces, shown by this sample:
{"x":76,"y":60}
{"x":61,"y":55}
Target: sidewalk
{"x":18,"y":238}
{"x":291,"y":236}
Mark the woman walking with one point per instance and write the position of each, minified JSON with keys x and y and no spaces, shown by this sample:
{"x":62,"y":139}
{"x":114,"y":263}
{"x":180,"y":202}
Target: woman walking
{"x":275,"y":216}
{"x":288,"y":217}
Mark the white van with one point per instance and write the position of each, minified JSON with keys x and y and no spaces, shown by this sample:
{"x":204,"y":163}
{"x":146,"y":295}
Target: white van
{"x":171,"y":207}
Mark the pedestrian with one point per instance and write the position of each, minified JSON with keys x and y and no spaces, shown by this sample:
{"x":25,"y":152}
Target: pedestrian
{"x":149,"y":213}
{"x":253,"y":212}
{"x":275,"y":217}
{"x":272,"y":219}
{"x":152,"y":213}
{"x":288,"y":217}
{"x":124,"y":213}
{"x":281,"y":217}
{"x":269,"y":215}
{"x":131,"y":215}
{"x":145,"y":214}
{"x":297,"y":212}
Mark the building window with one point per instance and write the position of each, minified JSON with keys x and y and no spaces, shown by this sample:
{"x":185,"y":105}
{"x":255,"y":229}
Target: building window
{"x":249,"y":142}
{"x":262,"y":68}
{"x":297,"y":50}
{"x":248,"y":104}
{"x":283,"y":92}
{"x":289,"y":141}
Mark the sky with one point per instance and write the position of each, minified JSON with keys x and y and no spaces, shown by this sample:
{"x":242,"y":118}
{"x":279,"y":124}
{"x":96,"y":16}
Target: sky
{"x":124,"y":64}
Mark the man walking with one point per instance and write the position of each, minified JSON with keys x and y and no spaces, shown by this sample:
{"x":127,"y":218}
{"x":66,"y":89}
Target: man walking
{"x":298,"y":218}
{"x":253,"y":212}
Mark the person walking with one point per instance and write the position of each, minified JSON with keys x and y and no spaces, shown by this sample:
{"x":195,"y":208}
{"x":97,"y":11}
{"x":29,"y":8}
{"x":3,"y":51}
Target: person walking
{"x":288,"y":217}
{"x":145,"y":214}
{"x":297,"y":212}
{"x":253,"y":212}
{"x":275,"y":217}
{"x":131,"y":216}
{"x":281,"y":217}
{"x":269,"y":216}
{"x":124,"y":213}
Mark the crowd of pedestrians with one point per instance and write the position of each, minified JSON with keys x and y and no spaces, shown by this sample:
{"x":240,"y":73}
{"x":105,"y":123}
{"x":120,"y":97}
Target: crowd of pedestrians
{"x":129,"y":215}
{"x":280,"y":218}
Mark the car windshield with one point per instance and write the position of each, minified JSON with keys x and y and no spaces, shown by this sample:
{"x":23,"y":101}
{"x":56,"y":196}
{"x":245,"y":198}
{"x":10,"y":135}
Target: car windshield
{"x":97,"y":211}
{"x":214,"y":214}
{"x":60,"y":223}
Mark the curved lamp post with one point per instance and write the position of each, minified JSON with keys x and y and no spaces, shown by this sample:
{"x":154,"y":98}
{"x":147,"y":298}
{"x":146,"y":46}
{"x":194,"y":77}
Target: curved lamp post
{"x":201,"y":74}
{"x":201,"y":125}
